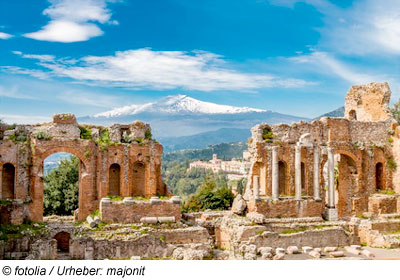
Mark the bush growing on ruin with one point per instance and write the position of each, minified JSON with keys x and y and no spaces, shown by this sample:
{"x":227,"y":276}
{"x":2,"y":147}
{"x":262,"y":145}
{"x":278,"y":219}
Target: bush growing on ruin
{"x":396,"y":111}
{"x":209,"y":196}
{"x":267,"y":134}
{"x":61,"y":188}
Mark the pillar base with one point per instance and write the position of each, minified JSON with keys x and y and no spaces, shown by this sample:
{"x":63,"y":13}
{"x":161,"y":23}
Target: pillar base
{"x":331,"y":214}
{"x":317,"y":199}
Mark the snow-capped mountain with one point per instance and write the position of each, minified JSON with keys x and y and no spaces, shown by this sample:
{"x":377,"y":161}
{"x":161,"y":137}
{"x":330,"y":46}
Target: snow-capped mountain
{"x":181,"y":115}
{"x":178,"y":104}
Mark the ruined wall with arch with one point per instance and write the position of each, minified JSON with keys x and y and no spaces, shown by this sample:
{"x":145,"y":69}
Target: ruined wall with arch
{"x":118,"y":148}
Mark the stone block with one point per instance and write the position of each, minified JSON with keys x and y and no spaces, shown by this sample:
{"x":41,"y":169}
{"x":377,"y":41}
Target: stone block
{"x":238,"y":205}
{"x":105,"y":200}
{"x":315,"y":254}
{"x":292,"y":250}
{"x":279,"y":256}
{"x":264,"y":250}
{"x":250,"y":256}
{"x":336,"y":254}
{"x":149,"y":220}
{"x":306,"y":249}
{"x":352,"y":250}
{"x":332,"y":214}
{"x":367,"y":253}
{"x":255,"y":217}
{"x":128,"y":201}
{"x":330,"y":249}
{"x":175,"y":199}
{"x":135,"y":258}
{"x":279,"y":251}
{"x":155,"y":200}
{"x":166,"y":219}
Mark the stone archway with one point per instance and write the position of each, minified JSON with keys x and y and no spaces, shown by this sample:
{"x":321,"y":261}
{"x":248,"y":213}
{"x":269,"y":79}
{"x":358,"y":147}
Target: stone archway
{"x":8,"y":181}
{"x":38,"y":183}
{"x":282,"y":169}
{"x":114,"y":179}
{"x":63,"y":239}
{"x":379,"y":176}
{"x":139,"y":178}
{"x":347,"y":182}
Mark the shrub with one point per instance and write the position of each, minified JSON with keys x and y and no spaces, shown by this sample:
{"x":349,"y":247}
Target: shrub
{"x":267,"y":135}
{"x":86,"y":132}
{"x":209,"y":197}
{"x":147,"y":134}
{"x":391,"y":163}
{"x":41,"y":135}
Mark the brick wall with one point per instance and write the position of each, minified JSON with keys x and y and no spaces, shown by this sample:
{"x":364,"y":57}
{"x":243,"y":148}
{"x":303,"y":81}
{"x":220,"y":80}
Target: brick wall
{"x":383,"y":204}
{"x":289,"y":208}
{"x":132,"y":211}
{"x":14,"y":213}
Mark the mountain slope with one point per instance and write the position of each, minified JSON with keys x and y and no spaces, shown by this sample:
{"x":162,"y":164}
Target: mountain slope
{"x":180,"y":115}
{"x":202,"y":140}
{"x":178,"y":104}
{"x":339,"y":112}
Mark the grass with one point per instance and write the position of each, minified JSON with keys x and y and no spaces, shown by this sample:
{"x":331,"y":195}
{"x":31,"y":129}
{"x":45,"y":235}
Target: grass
{"x":387,"y":192}
{"x":8,"y":232}
{"x":302,"y":229}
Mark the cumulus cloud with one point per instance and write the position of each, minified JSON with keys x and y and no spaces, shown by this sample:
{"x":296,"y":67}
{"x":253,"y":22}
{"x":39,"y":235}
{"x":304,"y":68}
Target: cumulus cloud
{"x":5,"y":36}
{"x":145,"y":68}
{"x":73,"y":20}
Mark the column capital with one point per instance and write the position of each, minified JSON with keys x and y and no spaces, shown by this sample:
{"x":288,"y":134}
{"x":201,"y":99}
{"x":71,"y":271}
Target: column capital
{"x":330,"y":149}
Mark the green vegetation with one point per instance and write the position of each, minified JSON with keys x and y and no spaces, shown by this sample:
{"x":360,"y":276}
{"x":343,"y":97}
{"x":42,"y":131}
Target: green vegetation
{"x":184,"y":182}
{"x":147,"y":134}
{"x":61,"y":188}
{"x":8,"y":232}
{"x":209,"y":196}
{"x":391,"y":163}
{"x":115,"y":198}
{"x":387,"y":192}
{"x":396,"y":111}
{"x":104,"y":140}
{"x":86,"y":132}
{"x":267,"y":134}
{"x":42,"y":135}
{"x":294,"y":230}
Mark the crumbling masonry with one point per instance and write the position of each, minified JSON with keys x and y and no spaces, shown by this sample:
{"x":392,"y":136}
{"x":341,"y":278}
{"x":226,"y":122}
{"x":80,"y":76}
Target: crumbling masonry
{"x":333,"y":167}
{"x":121,"y":160}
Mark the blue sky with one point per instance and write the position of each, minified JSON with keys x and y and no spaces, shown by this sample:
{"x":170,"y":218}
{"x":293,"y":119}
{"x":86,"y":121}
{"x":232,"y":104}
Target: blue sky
{"x":295,"y":57}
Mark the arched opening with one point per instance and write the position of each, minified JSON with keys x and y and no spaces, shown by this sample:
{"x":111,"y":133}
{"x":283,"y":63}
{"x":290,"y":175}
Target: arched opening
{"x":61,"y":184}
{"x":353,"y":115}
{"x":114,"y":175}
{"x":8,"y":181}
{"x":303,"y":178}
{"x":282,"y":177}
{"x":346,"y":180}
{"x":139,"y":178}
{"x":379,"y":176}
{"x":63,"y":239}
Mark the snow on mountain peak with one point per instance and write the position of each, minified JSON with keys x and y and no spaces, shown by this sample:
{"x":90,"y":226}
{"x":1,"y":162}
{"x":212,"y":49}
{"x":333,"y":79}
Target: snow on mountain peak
{"x":177,"y":104}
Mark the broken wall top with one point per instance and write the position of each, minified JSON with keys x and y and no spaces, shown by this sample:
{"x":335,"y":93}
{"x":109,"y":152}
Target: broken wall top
{"x":368,"y":102}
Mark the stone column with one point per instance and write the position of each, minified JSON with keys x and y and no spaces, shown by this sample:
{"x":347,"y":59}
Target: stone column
{"x":297,"y":169}
{"x":256,"y":187}
{"x":275,"y":173}
{"x":317,"y":196}
{"x":331,"y":178}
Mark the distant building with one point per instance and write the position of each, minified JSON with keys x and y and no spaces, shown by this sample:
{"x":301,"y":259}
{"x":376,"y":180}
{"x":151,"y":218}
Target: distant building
{"x":235,"y":168}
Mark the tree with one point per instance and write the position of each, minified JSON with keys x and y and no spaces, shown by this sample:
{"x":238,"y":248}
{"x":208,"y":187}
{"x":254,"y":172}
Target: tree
{"x":61,"y":187}
{"x":209,"y":196}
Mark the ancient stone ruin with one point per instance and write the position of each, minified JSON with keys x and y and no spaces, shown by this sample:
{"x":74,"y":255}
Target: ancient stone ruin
{"x":332,"y":167}
{"x":120,"y":160}
{"x":324,"y":189}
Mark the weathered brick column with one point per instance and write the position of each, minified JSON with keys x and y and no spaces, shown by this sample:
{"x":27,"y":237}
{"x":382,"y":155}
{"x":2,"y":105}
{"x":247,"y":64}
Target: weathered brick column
{"x":275,"y":173}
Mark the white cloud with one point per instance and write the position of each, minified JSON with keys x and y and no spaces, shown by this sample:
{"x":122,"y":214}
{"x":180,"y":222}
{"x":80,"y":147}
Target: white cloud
{"x":13,"y":92}
{"x":365,"y":27}
{"x":327,"y":63}
{"x":31,"y":72}
{"x":23,"y":119}
{"x":5,"y":36}
{"x":145,"y":68}
{"x":41,"y":57}
{"x":72,"y":20}
{"x":89,"y":98}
